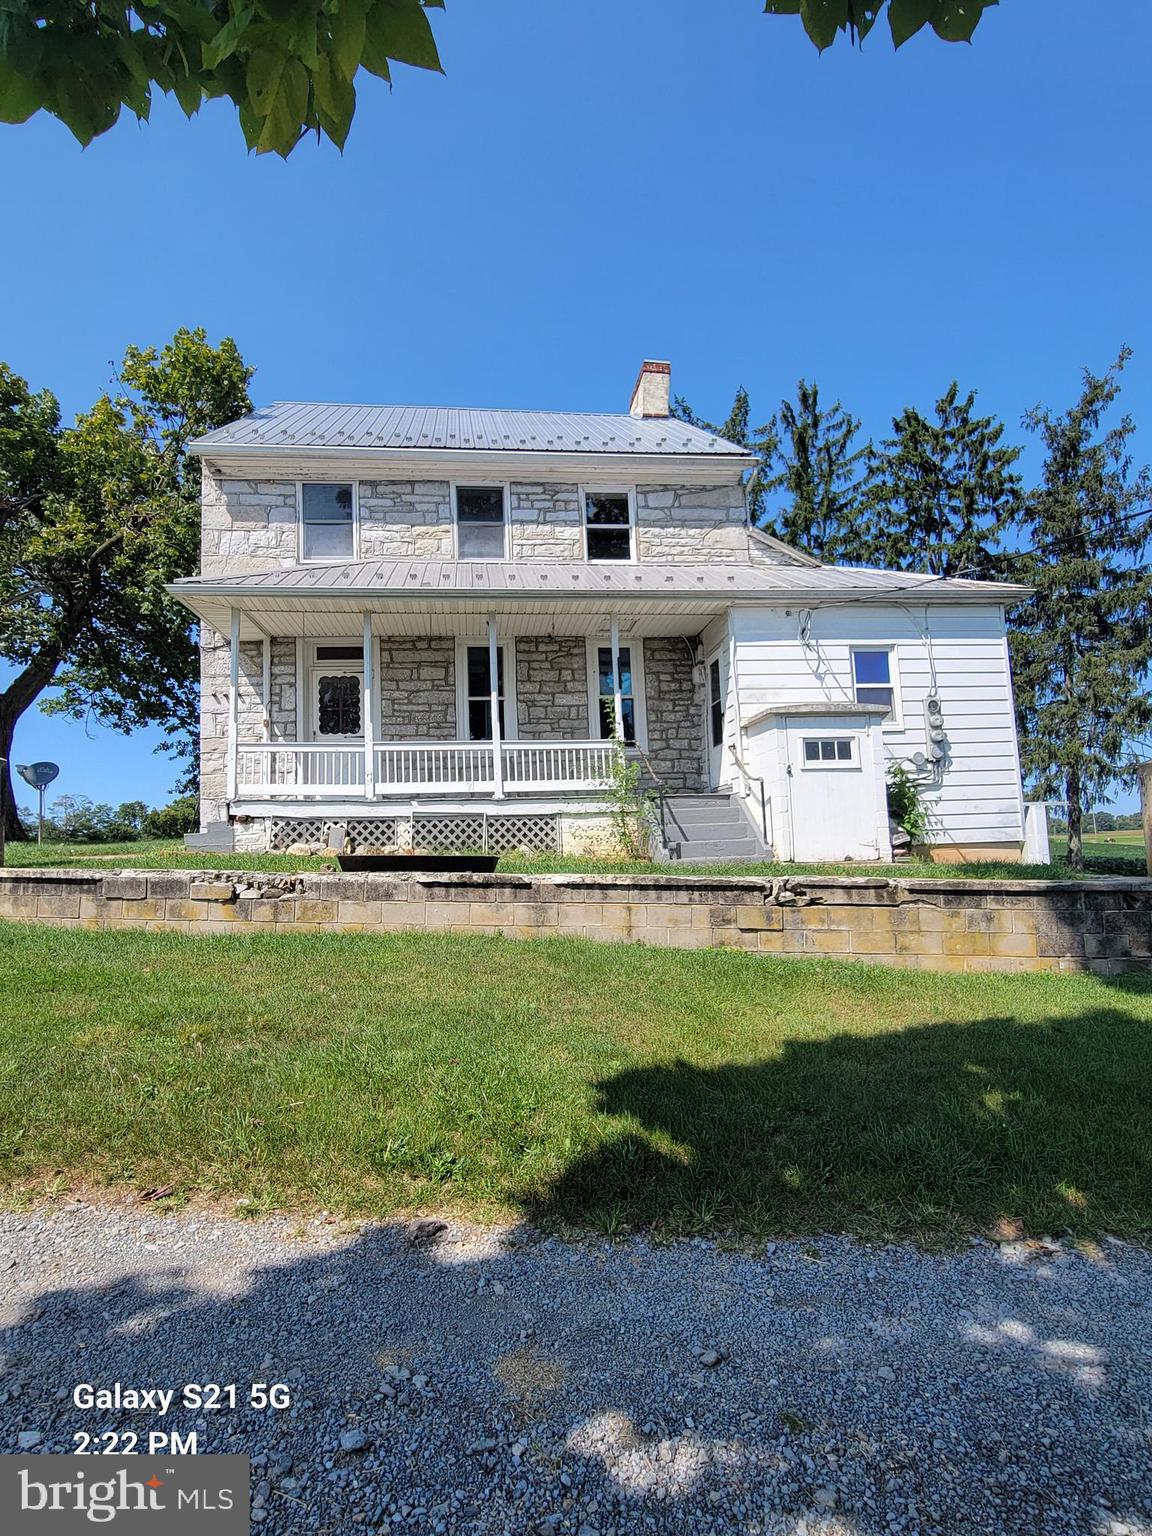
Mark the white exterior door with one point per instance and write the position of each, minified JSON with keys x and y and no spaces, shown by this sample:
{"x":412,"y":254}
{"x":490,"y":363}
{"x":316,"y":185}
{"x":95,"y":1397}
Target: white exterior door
{"x":835,"y":790}
{"x":716,"y":668}
{"x":336,"y":696}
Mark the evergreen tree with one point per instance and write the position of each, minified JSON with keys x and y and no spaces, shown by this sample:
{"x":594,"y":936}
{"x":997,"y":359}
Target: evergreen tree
{"x":818,"y":472}
{"x":939,"y":492}
{"x":762,"y":441}
{"x":1082,"y":644}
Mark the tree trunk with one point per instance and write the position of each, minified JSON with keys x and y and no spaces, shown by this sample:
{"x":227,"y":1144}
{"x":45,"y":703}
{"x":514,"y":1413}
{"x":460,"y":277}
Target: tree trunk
{"x":23,"y":691}
{"x":1073,"y":795}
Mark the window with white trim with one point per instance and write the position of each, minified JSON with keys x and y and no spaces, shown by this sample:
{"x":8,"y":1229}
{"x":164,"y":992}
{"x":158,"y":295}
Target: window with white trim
{"x":478,"y":703}
{"x":606,"y":694}
{"x":828,"y":752}
{"x":607,"y":525}
{"x":327,"y":521}
{"x":480,"y":522}
{"x":872,"y":679}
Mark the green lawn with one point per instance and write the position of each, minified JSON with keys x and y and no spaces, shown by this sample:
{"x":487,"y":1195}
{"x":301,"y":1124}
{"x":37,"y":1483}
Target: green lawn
{"x":1115,"y":859}
{"x":575,"y":1084}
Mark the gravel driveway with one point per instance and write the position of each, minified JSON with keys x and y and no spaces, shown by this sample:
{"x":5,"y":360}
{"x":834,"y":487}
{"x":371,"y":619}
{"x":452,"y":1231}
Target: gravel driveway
{"x":460,"y":1380}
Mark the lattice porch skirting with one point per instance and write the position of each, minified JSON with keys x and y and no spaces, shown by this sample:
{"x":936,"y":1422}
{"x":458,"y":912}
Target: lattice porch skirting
{"x":473,"y":832}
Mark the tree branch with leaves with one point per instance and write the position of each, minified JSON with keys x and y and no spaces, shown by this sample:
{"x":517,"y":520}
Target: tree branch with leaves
{"x":95,"y":518}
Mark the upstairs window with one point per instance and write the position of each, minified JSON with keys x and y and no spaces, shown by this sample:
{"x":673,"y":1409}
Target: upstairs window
{"x":328,"y":522}
{"x":608,"y":525}
{"x":872,"y":680}
{"x":480,"y":522}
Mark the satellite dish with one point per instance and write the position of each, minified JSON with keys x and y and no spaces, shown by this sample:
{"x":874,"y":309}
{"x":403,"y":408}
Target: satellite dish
{"x":37,"y":774}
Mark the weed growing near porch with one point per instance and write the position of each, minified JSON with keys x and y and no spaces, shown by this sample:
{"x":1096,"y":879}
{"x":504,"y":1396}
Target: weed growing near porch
{"x":574,"y":1083}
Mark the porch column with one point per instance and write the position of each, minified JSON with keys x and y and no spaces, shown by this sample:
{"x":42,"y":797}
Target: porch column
{"x":233,"y":702}
{"x":617,"y":699}
{"x":366,"y":711}
{"x":266,"y":684}
{"x":494,"y":695}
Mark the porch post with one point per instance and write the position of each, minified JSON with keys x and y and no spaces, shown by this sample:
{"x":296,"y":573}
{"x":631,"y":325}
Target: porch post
{"x":266,"y":684}
{"x":617,"y":700}
{"x":366,"y":711}
{"x":233,"y":701}
{"x":494,"y":695}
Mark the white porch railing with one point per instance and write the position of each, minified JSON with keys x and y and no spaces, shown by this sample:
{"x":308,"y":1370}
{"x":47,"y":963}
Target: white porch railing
{"x":312,"y":770}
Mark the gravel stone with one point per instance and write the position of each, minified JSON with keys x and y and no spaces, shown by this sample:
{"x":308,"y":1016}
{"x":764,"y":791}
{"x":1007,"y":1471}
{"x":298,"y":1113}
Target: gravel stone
{"x":499,"y":1381}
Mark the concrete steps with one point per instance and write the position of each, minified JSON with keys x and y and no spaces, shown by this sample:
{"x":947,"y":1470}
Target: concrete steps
{"x":710,"y":829}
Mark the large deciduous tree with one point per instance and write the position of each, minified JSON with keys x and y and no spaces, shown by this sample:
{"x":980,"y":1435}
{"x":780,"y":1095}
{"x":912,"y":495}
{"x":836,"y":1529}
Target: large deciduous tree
{"x":289,"y":66}
{"x":1082,"y":644}
{"x":940,"y":491}
{"x":94,"y":519}
{"x":818,"y":472}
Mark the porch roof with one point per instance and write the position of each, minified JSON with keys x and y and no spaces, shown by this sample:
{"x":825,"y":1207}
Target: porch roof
{"x":449,"y":596}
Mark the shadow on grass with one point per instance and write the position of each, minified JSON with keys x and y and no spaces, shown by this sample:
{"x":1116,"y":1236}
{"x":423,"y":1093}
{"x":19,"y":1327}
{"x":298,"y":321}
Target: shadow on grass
{"x":942,"y":1127}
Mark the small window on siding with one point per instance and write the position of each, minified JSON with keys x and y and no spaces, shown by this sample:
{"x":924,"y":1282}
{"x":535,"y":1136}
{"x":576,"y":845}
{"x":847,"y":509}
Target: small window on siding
{"x":608,"y":525}
{"x":828,"y":751}
{"x":872,"y":680}
{"x":327,"y":515}
{"x":480,"y":522}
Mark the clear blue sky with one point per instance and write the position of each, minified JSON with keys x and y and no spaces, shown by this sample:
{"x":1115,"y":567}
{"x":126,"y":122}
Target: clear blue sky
{"x":599,"y":183}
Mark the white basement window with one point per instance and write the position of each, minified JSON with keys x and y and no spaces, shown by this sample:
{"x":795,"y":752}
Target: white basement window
{"x":872,"y":680}
{"x":829,"y":752}
{"x":327,"y":522}
{"x":608,"y":525}
{"x":480,"y":522}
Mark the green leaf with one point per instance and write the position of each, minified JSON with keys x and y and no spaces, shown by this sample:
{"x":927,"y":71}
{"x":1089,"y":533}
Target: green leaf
{"x":956,"y":20}
{"x":265,"y":74}
{"x":287,"y":105}
{"x":906,"y":17}
{"x":19,"y":96}
{"x":399,"y":30}
{"x":228,"y":38}
{"x":188,"y":92}
{"x":335,"y":98}
{"x":824,"y":18}
{"x":347,"y":26}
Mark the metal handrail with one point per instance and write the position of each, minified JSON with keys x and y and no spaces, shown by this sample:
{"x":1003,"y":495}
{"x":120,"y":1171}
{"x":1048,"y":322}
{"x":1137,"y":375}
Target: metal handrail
{"x":749,"y":780}
{"x":661,"y":792}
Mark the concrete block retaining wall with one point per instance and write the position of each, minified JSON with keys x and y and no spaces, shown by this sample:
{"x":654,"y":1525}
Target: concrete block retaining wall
{"x":1103,"y":926}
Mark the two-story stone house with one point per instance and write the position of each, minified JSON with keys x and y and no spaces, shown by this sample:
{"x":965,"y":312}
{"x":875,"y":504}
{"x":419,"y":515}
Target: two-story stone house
{"x":438,"y":626}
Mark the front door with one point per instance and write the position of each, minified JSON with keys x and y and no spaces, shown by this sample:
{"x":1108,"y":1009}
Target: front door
{"x":717,"y":668}
{"x":337,"y":696}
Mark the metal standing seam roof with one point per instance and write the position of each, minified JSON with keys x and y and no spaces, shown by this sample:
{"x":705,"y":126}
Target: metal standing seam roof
{"x":306,"y":424}
{"x":381,"y":578}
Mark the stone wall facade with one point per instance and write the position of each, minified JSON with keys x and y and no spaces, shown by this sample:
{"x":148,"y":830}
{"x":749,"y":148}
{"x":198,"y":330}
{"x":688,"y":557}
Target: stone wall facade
{"x":675,"y":713}
{"x":417,"y":689}
{"x":692,"y":524}
{"x":545,"y":522}
{"x":405,"y":520}
{"x":251,"y":525}
{"x":1101,"y":926}
{"x":552,"y":688}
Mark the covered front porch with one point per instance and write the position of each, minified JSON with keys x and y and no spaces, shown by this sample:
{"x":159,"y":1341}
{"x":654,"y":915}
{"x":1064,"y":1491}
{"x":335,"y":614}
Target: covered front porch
{"x":306,"y":703}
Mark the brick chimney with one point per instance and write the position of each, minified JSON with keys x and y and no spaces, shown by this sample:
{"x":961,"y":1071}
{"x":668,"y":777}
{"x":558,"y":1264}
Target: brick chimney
{"x":653,"y":388}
